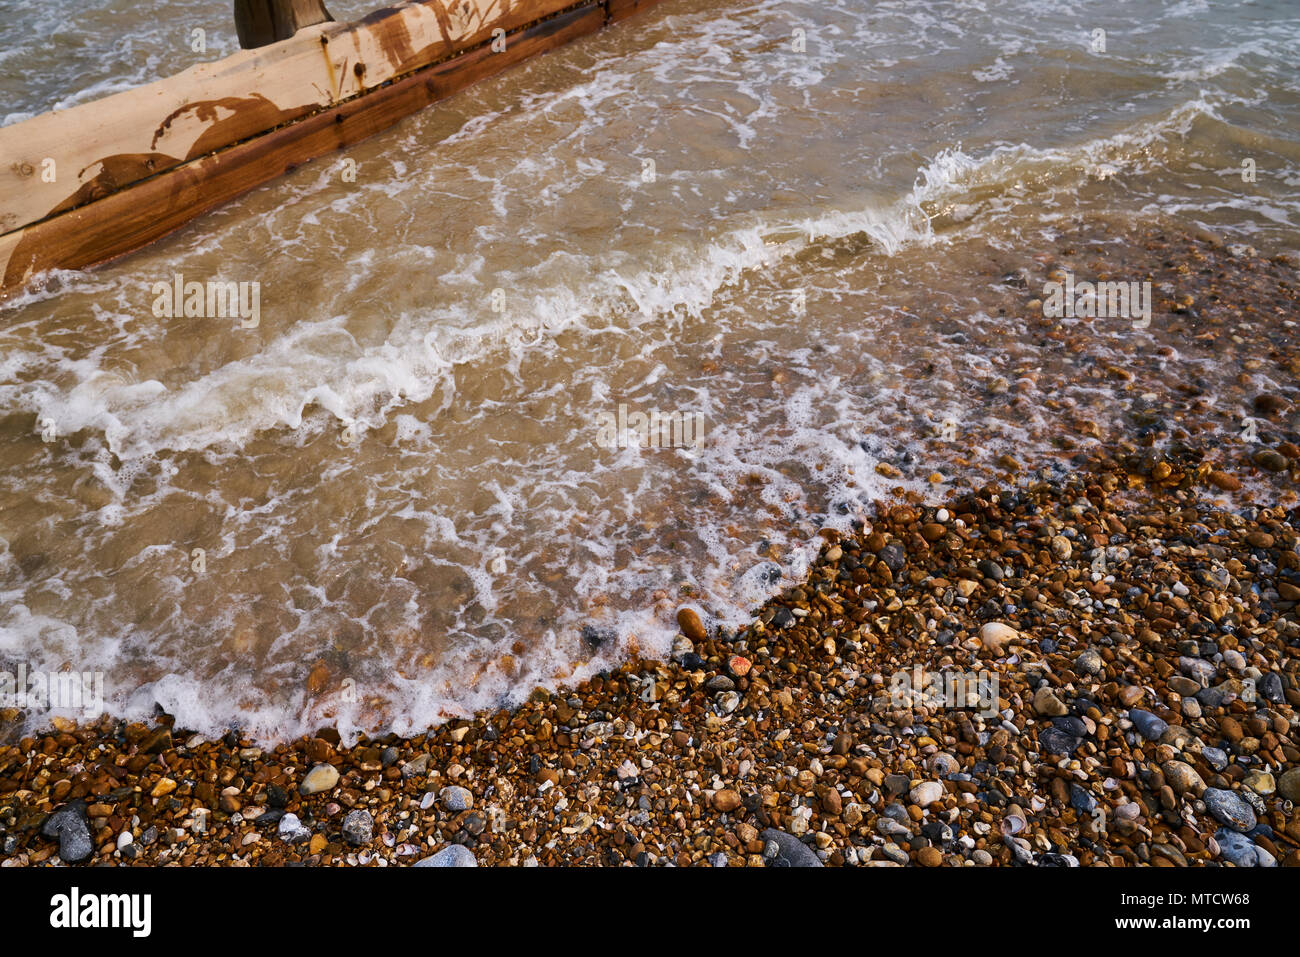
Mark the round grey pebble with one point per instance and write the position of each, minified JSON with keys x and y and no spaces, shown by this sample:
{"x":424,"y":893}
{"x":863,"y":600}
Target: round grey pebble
{"x":456,"y":798}
{"x":358,"y":828}
{"x":457,"y":855}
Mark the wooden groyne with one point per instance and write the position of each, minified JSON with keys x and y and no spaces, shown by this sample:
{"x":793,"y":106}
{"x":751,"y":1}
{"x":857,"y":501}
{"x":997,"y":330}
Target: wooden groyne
{"x":81,"y":186}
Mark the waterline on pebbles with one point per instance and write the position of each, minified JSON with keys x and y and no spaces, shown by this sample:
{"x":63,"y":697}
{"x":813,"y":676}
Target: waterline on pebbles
{"x":804,"y":758}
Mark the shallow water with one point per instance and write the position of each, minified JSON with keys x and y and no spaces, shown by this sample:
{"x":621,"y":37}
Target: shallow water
{"x":397,"y":478}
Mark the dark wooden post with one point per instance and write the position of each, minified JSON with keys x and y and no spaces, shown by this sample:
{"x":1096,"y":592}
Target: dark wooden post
{"x":259,"y":22}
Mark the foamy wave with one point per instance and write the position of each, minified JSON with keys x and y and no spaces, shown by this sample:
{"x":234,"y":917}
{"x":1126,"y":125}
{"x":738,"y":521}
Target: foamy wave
{"x":318,"y":363}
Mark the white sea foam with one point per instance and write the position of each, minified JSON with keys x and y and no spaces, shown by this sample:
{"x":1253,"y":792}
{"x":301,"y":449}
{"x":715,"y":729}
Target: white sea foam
{"x":793,"y":272}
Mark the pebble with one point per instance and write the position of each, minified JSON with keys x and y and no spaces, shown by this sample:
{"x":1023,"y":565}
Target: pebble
{"x":1081,"y":799}
{"x":995,"y":636}
{"x":1148,"y":725}
{"x":455,"y":855}
{"x":1261,"y":782}
{"x":1270,"y":687}
{"x":74,"y":841}
{"x":1217,"y":759}
{"x":943,"y":764}
{"x":929,"y":856}
{"x":1046,"y":703}
{"x":322,"y":777}
{"x":895,"y":854}
{"x":682,"y":648}
{"x":1242,"y":851}
{"x":894,"y":557}
{"x":726,"y":800}
{"x":1064,"y":736}
{"x":455,"y":798}
{"x":1183,"y":778}
{"x":926,"y":793}
{"x":68,"y":825}
{"x":1131,"y":695}
{"x":688,"y":619}
{"x":1229,"y":809}
{"x":786,"y":850}
{"x":292,"y":831}
{"x":1089,"y":662}
{"x":1270,"y":459}
{"x":1061,"y":547}
{"x":1197,"y":669}
{"x":887,"y":827}
{"x":1182,"y":685}
{"x":358,"y":828}
{"x":417,"y":767}
{"x":1223,"y":480}
{"x":1288,"y":784}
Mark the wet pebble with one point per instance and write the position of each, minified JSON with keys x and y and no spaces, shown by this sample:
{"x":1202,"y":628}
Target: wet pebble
{"x":1229,"y":809}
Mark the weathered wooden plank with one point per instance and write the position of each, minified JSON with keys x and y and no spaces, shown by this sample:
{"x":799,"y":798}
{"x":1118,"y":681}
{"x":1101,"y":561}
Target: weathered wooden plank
{"x":147,"y":210}
{"x":622,"y":9}
{"x":99,"y":147}
{"x":259,"y":23}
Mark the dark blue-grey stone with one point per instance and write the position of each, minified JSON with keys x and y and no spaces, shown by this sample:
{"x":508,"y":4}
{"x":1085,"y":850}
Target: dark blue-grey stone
{"x":1229,"y":809}
{"x":74,"y":841}
{"x":937,"y":831}
{"x":897,"y":812}
{"x":1270,"y":687}
{"x":1217,"y":757}
{"x":1056,"y":741}
{"x":894,"y":557}
{"x":457,"y":855}
{"x":1056,"y":860}
{"x":1211,"y":698}
{"x":1148,"y":725}
{"x":68,"y":824}
{"x":1242,"y":851}
{"x":51,"y":826}
{"x":1082,"y":800}
{"x":791,"y":852}
{"x":1071,"y":725}
{"x":1064,"y":736}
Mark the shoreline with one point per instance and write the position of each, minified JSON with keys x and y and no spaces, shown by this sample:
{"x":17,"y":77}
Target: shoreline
{"x":1123,"y":734}
{"x":1135,"y":614}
